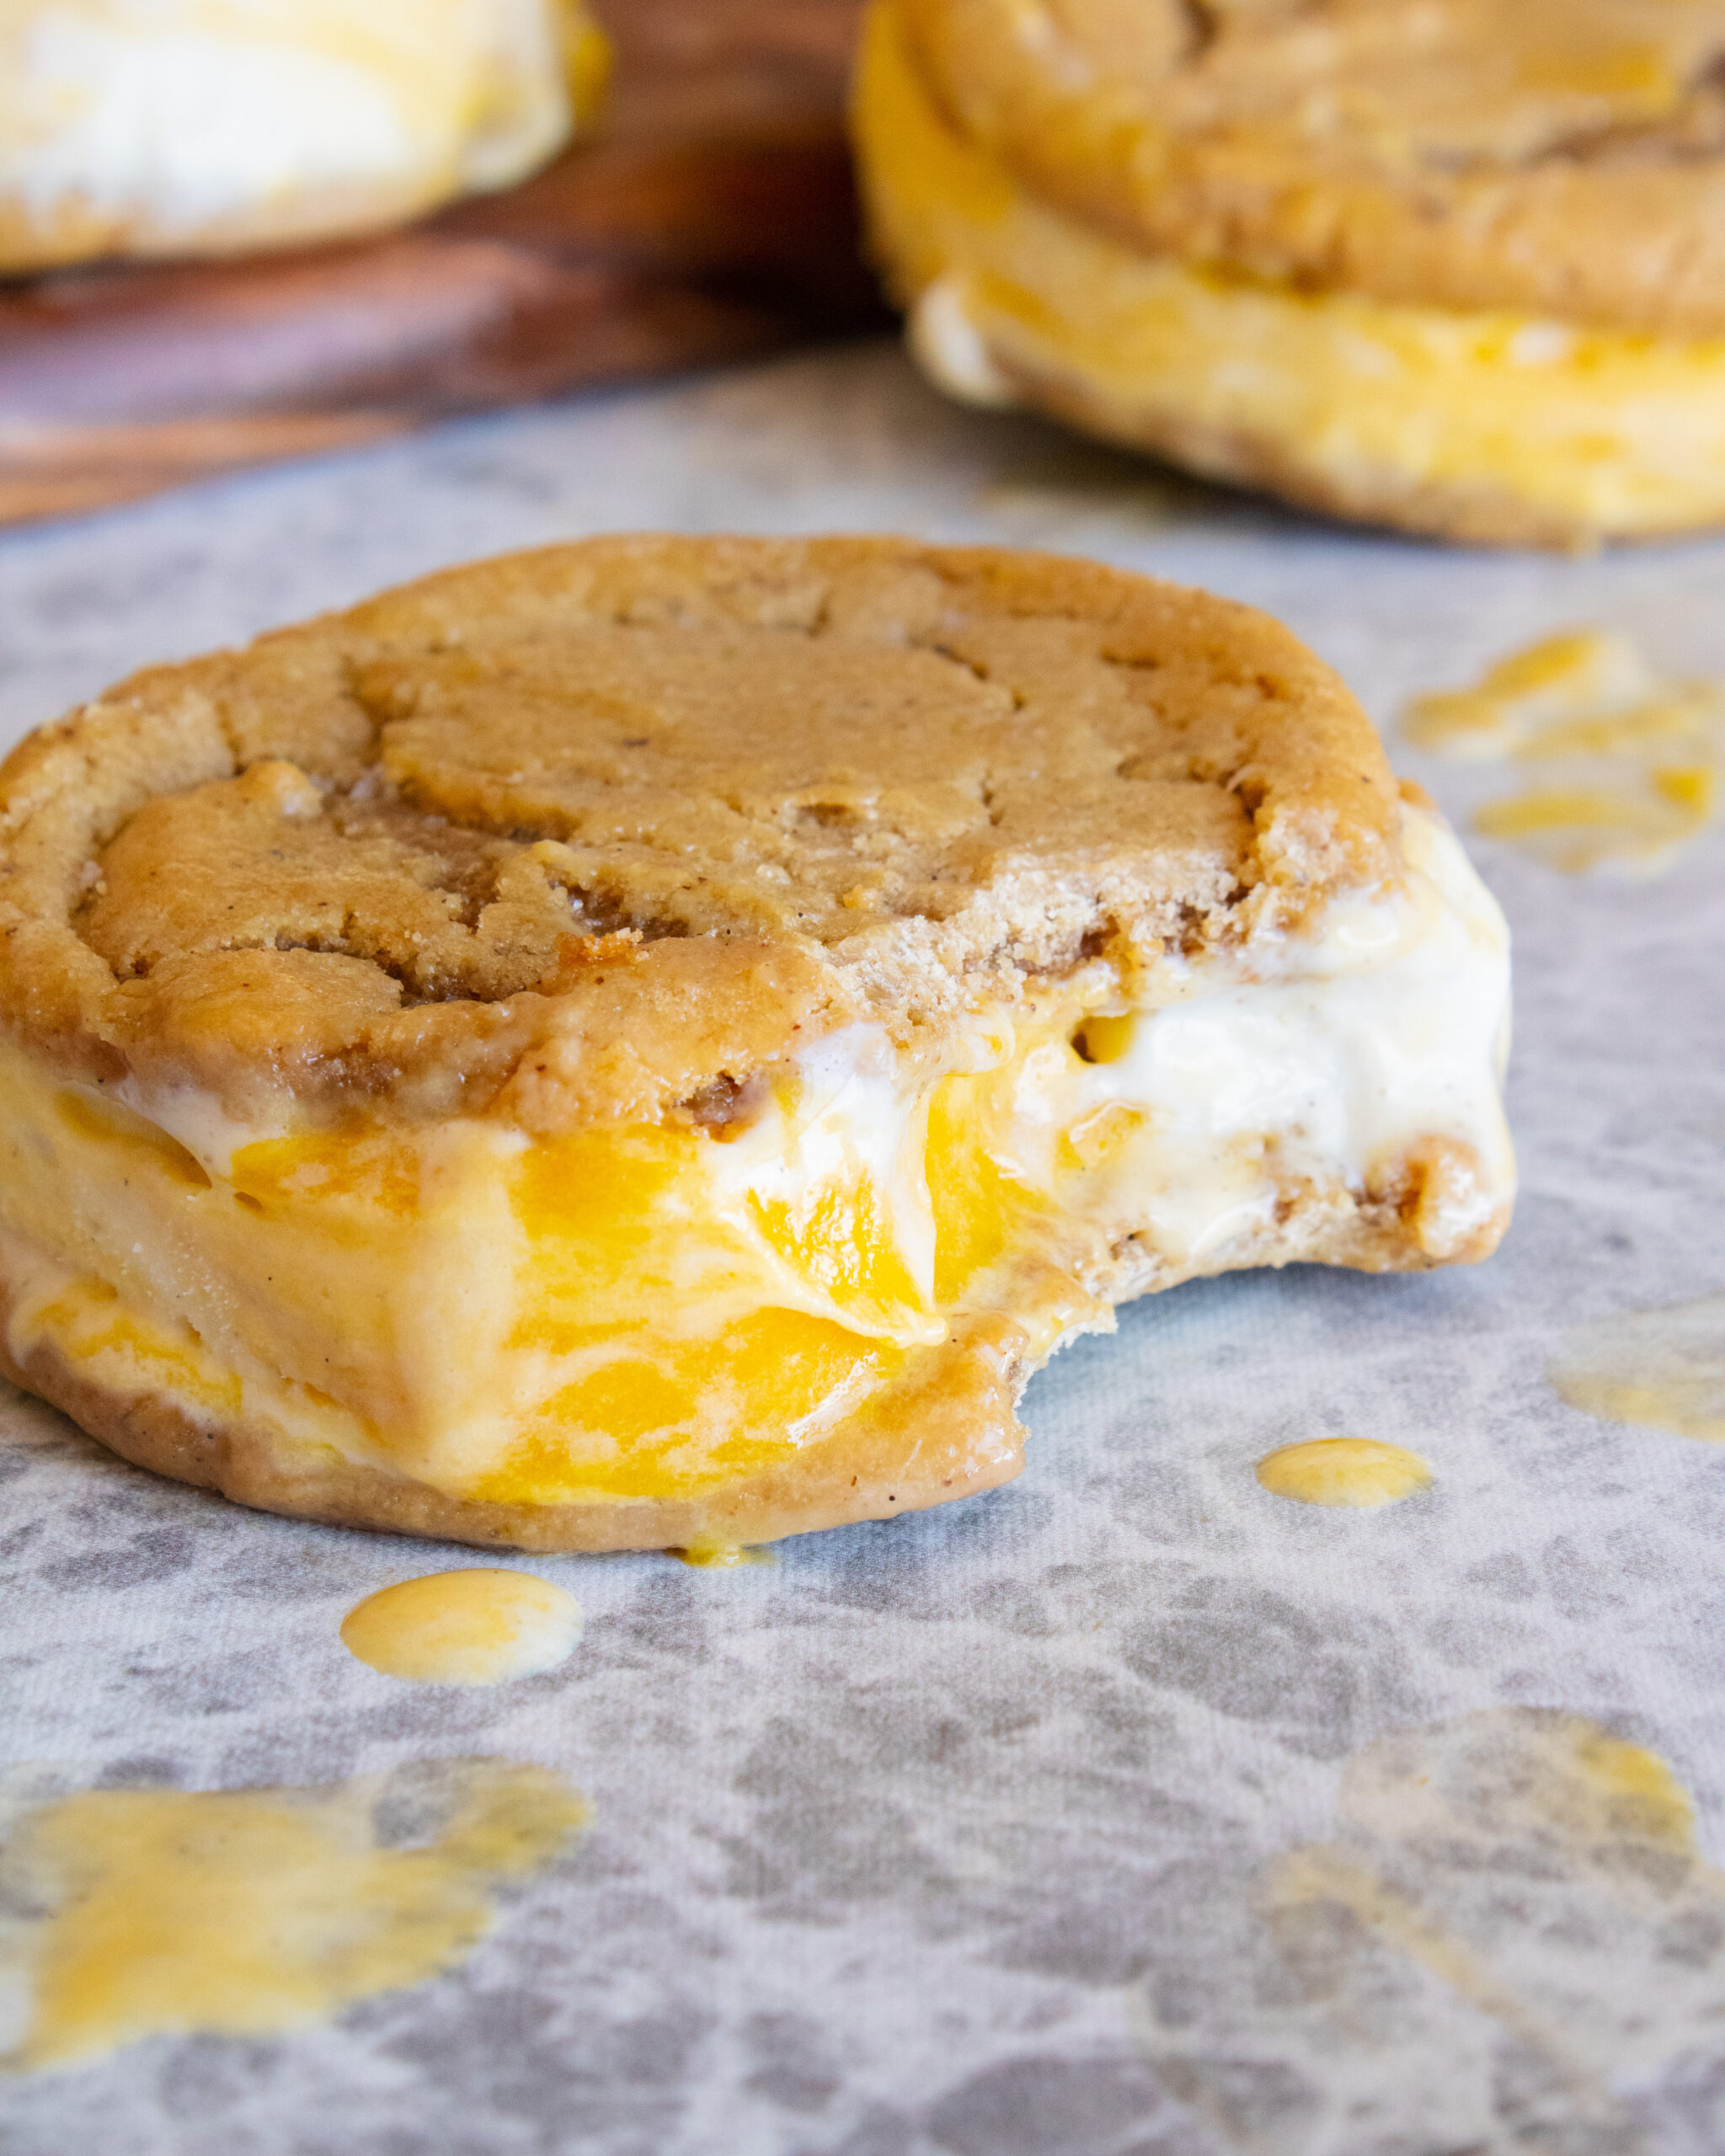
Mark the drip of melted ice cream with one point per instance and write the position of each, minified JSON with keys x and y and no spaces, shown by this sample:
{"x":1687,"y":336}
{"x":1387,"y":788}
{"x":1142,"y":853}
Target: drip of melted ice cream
{"x":1358,"y":1471}
{"x":1510,"y":1925}
{"x":476,"y":1626}
{"x":252,"y":1912}
{"x":1662,"y":1369}
{"x":1622,"y":765}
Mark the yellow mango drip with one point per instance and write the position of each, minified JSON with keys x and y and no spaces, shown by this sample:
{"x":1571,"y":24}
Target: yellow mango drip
{"x":1690,"y":1404}
{"x":1579,"y":676}
{"x":1693,"y":787}
{"x":1586,"y":659}
{"x":1577,"y":1967}
{"x":1559,"y":808}
{"x":1645,"y":728}
{"x":1359,"y":1472}
{"x":1660,"y":1369}
{"x":1630,"y":763}
{"x":1628,"y":1790}
{"x":249,"y":1912}
{"x":472,"y":1627}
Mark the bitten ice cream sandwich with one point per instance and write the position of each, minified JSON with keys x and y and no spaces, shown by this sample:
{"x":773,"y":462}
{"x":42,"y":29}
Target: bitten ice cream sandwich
{"x":651,"y":1042}
{"x":153,"y":127}
{"x":1445,"y":265}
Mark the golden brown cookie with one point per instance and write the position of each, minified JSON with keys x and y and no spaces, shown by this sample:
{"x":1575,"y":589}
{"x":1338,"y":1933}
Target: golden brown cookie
{"x":651,"y":1041}
{"x":1431,"y":262}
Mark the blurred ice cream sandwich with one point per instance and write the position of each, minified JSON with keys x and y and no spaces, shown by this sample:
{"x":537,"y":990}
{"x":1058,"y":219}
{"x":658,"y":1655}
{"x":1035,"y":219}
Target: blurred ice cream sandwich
{"x":199,"y":127}
{"x":1439,"y":263}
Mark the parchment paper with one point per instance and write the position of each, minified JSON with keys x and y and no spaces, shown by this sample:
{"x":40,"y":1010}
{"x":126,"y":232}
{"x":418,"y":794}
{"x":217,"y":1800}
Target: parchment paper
{"x":992,"y":1830}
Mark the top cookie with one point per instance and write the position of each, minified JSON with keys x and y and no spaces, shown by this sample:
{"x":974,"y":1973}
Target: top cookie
{"x":598,"y":831}
{"x":1558,"y":157}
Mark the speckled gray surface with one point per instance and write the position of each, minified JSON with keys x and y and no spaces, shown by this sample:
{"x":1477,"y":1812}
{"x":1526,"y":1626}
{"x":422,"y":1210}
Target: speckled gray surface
{"x":983,"y":1832}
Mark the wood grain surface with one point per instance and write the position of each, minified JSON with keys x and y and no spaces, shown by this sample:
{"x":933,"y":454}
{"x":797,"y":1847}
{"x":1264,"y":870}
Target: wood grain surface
{"x":710,"y":218}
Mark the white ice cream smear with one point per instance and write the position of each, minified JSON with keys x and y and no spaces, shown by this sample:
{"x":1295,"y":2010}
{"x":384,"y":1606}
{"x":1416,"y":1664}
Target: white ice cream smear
{"x":1390,"y":1027}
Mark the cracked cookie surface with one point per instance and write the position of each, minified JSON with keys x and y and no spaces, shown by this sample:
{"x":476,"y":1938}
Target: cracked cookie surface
{"x":660,"y":808}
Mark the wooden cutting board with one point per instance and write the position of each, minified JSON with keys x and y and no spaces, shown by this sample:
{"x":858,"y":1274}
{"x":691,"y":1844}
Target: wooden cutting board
{"x":710,"y":218}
